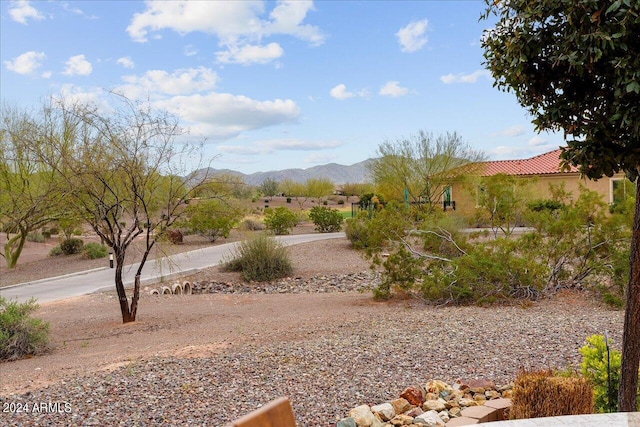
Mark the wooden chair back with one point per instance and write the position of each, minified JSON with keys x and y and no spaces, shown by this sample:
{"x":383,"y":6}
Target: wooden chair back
{"x":277,"y":413}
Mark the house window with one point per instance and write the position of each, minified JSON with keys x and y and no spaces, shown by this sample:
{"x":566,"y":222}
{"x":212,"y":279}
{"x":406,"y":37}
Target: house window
{"x":621,"y":188}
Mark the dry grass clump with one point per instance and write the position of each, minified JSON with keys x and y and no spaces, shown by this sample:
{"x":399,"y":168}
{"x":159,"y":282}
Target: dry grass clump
{"x":543,"y":394}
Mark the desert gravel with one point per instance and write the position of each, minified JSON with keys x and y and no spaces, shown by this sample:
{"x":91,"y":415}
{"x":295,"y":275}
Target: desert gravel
{"x":329,"y":369}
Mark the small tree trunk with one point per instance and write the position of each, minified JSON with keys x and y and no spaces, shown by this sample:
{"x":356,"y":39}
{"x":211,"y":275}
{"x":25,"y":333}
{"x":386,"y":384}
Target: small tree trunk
{"x":136,"y":296}
{"x":13,"y":252}
{"x":631,"y":334}
{"x":122,"y":294}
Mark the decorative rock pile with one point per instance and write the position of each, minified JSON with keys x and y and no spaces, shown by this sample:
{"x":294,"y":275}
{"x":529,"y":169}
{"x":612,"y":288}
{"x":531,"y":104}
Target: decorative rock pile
{"x":436,"y":404}
{"x":295,"y":285}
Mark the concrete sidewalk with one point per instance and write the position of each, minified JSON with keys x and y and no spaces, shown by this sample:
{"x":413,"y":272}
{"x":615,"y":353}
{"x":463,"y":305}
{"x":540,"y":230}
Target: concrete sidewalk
{"x":102,"y":279}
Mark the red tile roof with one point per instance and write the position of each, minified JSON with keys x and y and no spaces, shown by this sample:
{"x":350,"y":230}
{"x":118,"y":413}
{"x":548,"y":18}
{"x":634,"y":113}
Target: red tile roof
{"x":543,"y":164}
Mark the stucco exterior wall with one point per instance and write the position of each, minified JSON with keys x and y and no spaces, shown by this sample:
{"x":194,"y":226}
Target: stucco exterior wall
{"x":465,"y":195}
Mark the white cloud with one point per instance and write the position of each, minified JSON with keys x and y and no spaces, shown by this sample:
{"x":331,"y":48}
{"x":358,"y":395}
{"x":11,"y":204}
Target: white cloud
{"x":340,"y":92}
{"x":77,"y":95}
{"x":223,"y":115}
{"x":412,"y":37}
{"x":126,"y":62}
{"x":190,"y":50}
{"x":78,"y":66}
{"x":512,"y":131}
{"x":393,"y":89}
{"x":250,"y":54}
{"x":503,"y":152}
{"x":465,"y":78}
{"x":274,"y":145}
{"x":184,"y":81}
{"x":229,"y":20}
{"x":21,"y":10}
{"x":26,"y":63}
{"x":538,"y":141}
{"x":287,"y":17}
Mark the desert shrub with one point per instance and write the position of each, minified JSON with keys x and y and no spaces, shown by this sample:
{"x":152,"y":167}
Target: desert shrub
{"x":582,"y":246}
{"x":441,"y":234}
{"x":251,"y":224}
{"x":56,"y":251}
{"x":326,"y":220}
{"x":280,"y":220}
{"x":260,"y":258}
{"x":601,"y":365}
{"x":35,"y":237}
{"x":20,"y":334}
{"x":357,"y":230}
{"x":71,"y":246}
{"x":486,"y":273}
{"x":173,"y":235}
{"x":372,"y":232}
{"x":544,"y":394}
{"x":400,"y":269}
{"x":94,"y":250}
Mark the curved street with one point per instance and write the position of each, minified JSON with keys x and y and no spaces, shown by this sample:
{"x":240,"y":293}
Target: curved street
{"x":100,"y":280}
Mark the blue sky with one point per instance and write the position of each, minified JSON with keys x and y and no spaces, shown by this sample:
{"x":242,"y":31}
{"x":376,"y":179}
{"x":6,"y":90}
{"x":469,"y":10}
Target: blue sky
{"x":273,"y":85}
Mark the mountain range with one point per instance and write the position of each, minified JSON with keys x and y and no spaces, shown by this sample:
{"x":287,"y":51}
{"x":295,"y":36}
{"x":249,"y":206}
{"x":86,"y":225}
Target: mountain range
{"x":338,"y":174}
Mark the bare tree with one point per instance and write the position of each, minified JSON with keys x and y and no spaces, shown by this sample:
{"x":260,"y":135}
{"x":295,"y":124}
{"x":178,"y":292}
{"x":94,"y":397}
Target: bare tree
{"x":126,"y":173}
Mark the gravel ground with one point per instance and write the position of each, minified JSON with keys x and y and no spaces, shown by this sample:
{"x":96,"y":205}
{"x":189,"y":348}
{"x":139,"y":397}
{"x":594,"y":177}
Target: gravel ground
{"x":327,"y":368}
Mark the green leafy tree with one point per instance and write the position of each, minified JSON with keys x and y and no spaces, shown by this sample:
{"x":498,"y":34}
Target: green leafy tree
{"x":30,"y":195}
{"x":125,"y":176}
{"x":211,"y":218}
{"x":421,"y":167}
{"x":294,"y":189}
{"x":268,"y":188}
{"x":318,"y":188}
{"x":351,"y":189}
{"x":574,"y":67}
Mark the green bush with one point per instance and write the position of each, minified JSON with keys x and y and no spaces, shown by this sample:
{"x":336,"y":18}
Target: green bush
{"x":372,"y":231}
{"x":280,"y":220}
{"x":260,"y":259}
{"x":94,"y":250}
{"x":71,"y":246}
{"x":56,"y":251}
{"x":21,"y":335}
{"x":326,"y":220}
{"x":35,"y":237}
{"x":400,"y":269}
{"x":602,"y":369}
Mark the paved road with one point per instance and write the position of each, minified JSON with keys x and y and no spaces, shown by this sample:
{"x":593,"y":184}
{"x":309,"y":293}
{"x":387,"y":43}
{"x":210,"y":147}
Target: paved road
{"x":57,"y":288}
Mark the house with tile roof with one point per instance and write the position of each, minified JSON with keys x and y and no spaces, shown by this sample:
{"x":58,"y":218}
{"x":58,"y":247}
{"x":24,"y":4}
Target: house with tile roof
{"x":545,"y":169}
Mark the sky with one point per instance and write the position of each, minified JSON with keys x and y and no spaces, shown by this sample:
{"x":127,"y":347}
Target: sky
{"x":270,"y":85}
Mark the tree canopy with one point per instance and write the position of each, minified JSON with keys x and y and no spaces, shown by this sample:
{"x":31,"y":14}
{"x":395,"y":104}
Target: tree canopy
{"x":125,"y":174}
{"x":575,"y":67}
{"x":420,"y":167}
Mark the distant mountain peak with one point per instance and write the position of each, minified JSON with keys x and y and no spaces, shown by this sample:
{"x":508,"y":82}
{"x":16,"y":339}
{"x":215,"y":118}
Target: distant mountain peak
{"x":338,"y":174}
